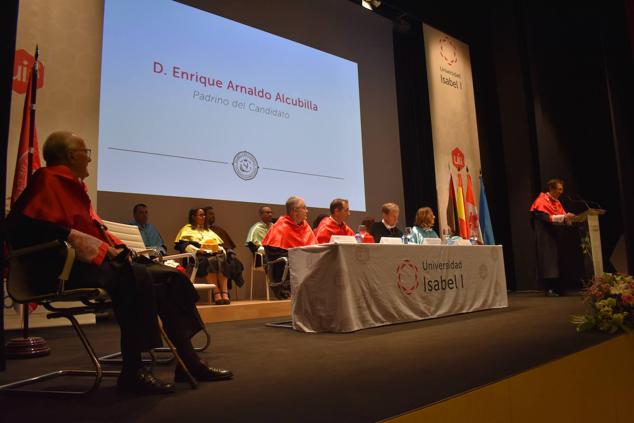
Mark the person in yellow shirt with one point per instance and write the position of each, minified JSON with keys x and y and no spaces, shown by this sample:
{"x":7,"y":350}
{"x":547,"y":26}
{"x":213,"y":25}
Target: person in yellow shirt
{"x":196,"y":237}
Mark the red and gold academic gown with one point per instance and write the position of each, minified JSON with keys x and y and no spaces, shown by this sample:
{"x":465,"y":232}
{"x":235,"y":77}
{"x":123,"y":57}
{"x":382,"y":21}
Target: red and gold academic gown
{"x":55,"y":205}
{"x":329,"y":227}
{"x":546,"y":210}
{"x":368,"y":238}
{"x":545,"y":203}
{"x":57,"y":196}
{"x":285,"y":233}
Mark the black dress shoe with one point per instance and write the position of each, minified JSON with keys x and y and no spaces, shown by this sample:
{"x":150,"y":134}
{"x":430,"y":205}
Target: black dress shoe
{"x":551,"y":293}
{"x":203,"y":374}
{"x":143,"y":382}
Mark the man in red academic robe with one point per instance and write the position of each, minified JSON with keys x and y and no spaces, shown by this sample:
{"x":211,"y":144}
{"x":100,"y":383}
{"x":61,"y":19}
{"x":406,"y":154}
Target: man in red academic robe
{"x":548,"y":216}
{"x":55,"y":205}
{"x":291,"y":230}
{"x":335,"y":224}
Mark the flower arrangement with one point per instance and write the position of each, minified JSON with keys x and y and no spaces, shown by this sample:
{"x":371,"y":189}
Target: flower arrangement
{"x":611,"y":298}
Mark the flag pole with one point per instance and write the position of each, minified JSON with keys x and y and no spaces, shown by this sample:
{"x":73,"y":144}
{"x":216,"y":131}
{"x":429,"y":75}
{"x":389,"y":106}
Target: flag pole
{"x":29,"y":346}
{"x":29,"y":169}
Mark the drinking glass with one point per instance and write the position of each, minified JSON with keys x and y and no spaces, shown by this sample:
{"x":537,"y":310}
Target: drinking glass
{"x":446,"y":234}
{"x":361,"y":231}
{"x":407,"y":235}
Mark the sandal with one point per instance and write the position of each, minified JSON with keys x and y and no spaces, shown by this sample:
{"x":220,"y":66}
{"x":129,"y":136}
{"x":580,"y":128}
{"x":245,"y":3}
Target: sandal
{"x":225,"y":298}
{"x":218,"y":298}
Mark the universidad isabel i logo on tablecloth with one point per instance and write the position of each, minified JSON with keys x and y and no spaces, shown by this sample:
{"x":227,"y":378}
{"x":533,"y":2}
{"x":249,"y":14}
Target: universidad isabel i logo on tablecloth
{"x":436,"y":276}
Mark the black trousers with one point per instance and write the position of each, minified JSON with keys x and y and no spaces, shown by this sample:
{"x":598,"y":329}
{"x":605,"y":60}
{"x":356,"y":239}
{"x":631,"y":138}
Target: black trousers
{"x":139,"y":292}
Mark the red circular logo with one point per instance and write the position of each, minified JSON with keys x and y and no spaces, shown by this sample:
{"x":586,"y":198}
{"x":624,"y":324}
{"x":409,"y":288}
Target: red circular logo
{"x":407,"y":277}
{"x":448,"y":50}
{"x":457,"y":158}
{"x":22,"y":66}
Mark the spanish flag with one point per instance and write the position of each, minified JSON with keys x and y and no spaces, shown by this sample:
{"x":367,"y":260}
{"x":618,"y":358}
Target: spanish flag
{"x":462,"y":219}
{"x":451,"y":207}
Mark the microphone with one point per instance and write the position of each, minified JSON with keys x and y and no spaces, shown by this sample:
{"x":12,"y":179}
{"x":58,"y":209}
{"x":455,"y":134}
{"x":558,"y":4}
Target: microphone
{"x":579,"y":200}
{"x":585,"y":202}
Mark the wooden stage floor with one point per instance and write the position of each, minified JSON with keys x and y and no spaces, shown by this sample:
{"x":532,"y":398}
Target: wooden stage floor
{"x":244,"y":310}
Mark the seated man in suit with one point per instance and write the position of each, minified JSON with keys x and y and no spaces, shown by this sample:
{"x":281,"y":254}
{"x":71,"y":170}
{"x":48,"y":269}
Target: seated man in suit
{"x":290,"y":230}
{"x":55,"y":206}
{"x":387,"y":226}
{"x":210,"y":220}
{"x":150,"y":234}
{"x":258,"y":231}
{"x":335,"y":224}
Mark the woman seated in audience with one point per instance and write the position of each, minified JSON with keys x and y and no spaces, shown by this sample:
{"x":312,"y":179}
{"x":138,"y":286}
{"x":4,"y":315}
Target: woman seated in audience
{"x":196,"y":237}
{"x":423,"y":227}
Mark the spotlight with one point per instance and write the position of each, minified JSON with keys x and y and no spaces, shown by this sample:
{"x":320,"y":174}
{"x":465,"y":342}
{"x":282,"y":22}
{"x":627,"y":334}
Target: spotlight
{"x":370,"y":4}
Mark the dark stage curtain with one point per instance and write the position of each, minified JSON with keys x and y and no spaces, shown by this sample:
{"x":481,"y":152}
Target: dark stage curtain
{"x":8,"y":23}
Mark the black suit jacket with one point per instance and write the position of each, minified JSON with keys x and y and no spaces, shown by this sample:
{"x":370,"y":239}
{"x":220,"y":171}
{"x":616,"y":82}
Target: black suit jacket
{"x":378,"y":230}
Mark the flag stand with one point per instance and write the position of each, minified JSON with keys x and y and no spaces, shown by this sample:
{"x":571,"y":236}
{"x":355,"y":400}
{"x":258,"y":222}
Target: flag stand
{"x":29,"y":346}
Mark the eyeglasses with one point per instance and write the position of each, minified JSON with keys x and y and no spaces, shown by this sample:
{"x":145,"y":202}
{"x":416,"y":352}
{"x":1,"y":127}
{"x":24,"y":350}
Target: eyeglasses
{"x":87,"y":151}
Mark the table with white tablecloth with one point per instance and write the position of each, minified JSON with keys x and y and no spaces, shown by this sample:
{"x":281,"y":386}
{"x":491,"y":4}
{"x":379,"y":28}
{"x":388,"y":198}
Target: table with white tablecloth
{"x":347,"y":287}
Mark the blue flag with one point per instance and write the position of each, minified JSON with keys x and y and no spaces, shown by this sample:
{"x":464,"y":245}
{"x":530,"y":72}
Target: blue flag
{"x":485,"y":217}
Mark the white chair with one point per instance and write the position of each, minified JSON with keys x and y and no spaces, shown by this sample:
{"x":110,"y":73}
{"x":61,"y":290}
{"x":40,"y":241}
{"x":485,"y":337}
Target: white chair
{"x":131,"y":237}
{"x":259,"y":257}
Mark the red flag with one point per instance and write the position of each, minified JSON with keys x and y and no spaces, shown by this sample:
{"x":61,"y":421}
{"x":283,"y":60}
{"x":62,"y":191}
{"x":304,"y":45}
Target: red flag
{"x":21,"y":172}
{"x":473,"y":221}
{"x":21,"y":175}
{"x":451,"y":207}
{"x":462,"y":219}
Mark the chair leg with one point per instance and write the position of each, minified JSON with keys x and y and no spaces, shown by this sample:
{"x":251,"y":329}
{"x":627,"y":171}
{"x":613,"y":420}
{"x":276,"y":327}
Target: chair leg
{"x":197,"y":349}
{"x":192,"y":382}
{"x":98,"y":373}
{"x":266,"y":286}
{"x":115,"y":359}
{"x":252,"y":267}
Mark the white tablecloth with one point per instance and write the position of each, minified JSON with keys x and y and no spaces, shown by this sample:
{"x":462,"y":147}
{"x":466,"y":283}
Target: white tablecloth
{"x":347,"y":287}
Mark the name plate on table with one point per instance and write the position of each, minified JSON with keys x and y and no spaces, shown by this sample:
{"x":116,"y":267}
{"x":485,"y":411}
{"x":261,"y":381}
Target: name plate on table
{"x":432,"y":241}
{"x":390,"y":240}
{"x":343,"y":239}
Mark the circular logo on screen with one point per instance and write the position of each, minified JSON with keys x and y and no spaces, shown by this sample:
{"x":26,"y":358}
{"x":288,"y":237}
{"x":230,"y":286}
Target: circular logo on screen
{"x":245,"y":165}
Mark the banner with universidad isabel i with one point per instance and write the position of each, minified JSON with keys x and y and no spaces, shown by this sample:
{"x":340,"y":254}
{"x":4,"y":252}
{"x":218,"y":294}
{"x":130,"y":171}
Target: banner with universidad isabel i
{"x":453,"y":117}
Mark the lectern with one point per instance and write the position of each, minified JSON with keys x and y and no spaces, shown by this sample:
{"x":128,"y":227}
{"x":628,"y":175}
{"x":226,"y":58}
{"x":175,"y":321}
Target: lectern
{"x":592,"y":245}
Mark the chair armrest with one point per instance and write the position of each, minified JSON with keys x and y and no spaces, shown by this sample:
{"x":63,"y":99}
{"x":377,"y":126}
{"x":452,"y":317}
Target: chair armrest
{"x":38,"y":248}
{"x":278,"y":260}
{"x":155,"y":252}
{"x":22,"y":295}
{"x":179,"y":256}
{"x":192,"y":277}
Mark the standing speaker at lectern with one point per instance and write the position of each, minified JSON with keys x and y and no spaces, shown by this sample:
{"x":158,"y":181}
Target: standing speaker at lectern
{"x":549,"y":217}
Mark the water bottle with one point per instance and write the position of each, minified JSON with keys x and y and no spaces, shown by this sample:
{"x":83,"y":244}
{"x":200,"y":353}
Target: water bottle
{"x":407,"y":234}
{"x":358,"y":237}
